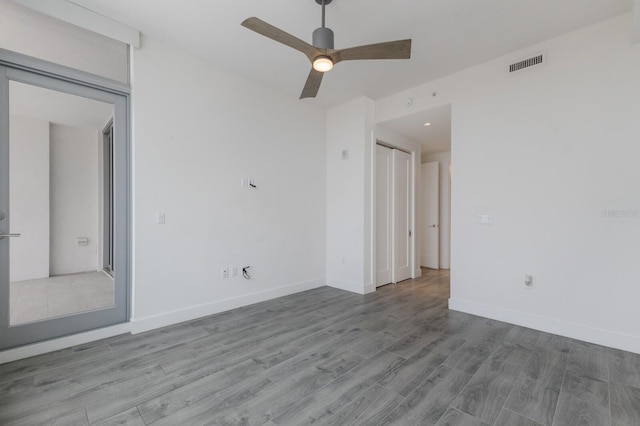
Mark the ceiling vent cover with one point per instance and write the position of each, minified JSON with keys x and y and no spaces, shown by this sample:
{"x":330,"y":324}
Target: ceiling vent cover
{"x":538,"y":59}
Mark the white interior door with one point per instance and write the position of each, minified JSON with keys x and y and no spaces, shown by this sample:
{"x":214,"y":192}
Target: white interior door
{"x":384,"y":169}
{"x":430,"y":233}
{"x":401,"y":231}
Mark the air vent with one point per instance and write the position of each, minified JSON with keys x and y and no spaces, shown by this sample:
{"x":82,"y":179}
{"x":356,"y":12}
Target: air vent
{"x":527,"y":63}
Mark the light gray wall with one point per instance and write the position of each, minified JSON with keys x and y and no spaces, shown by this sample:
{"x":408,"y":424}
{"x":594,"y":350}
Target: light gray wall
{"x":349,"y":129}
{"x":74,"y":199}
{"x":29,"y":198}
{"x":198,"y":131}
{"x":28,"y":32}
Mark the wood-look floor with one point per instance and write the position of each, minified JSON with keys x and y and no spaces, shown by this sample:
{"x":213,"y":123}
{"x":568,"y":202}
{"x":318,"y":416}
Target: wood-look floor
{"x":326,"y":356}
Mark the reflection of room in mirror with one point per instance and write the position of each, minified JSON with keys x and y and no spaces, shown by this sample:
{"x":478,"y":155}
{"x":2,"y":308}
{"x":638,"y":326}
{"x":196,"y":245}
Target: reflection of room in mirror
{"x":39,"y":299}
{"x":57,"y":204}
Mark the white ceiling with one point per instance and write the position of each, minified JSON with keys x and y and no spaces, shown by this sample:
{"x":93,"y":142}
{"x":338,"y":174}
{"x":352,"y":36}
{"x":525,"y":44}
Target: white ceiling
{"x":448,"y":36}
{"x":435,"y":138}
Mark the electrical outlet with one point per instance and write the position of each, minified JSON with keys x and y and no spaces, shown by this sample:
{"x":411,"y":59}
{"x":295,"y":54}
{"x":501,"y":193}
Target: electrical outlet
{"x":234,"y":272}
{"x":224,"y":273}
{"x":528,"y":281}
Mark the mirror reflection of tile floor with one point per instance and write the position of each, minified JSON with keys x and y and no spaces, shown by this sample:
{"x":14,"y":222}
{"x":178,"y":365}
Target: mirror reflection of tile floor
{"x":44,"y":298}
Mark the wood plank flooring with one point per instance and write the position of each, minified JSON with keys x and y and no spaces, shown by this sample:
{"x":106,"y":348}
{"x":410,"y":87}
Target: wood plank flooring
{"x":329,"y":357}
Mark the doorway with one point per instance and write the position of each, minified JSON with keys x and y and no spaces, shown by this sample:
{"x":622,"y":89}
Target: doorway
{"x":53,"y":231}
{"x":394,"y":215}
{"x":430,"y":214}
{"x":435,"y":211}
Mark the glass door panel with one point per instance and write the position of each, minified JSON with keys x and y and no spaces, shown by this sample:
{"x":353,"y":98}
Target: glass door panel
{"x":58,"y":209}
{"x":55,"y":191}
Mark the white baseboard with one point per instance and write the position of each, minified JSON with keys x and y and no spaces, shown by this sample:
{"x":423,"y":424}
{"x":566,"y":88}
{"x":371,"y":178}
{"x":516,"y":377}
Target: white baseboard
{"x":549,"y":325}
{"x":140,"y":325}
{"x":351,"y":286}
{"x":63,"y":342}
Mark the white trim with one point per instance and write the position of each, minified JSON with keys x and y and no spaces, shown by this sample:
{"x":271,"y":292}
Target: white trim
{"x":373,"y":215}
{"x":386,"y":137}
{"x":64,"y":342}
{"x":549,"y":325}
{"x":141,"y":325}
{"x":351,"y":286}
{"x":85,"y":18}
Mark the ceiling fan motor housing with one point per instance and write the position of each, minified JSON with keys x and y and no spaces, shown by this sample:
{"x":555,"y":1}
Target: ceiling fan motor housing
{"x":323,"y":38}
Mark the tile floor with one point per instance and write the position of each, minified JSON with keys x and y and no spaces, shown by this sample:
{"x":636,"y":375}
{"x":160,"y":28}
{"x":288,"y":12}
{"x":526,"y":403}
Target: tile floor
{"x":39,"y":299}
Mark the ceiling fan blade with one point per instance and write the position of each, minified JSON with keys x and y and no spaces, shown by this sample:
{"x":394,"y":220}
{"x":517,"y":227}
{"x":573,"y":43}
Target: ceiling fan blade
{"x":283,"y":37}
{"x":312,"y":85}
{"x":399,"y":49}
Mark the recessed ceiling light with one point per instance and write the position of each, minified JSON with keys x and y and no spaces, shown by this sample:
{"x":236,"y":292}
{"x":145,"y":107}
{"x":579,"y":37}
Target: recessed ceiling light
{"x":427,"y":124}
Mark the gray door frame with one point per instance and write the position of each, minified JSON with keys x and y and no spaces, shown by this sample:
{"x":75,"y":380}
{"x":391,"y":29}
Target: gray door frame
{"x":28,"y":70}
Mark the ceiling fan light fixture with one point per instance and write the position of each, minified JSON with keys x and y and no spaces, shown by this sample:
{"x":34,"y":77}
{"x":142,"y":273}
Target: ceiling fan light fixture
{"x":322,"y":54}
{"x":322,"y":64}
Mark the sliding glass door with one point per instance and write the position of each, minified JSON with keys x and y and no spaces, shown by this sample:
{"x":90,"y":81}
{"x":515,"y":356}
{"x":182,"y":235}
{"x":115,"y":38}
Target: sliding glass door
{"x":63,"y":207}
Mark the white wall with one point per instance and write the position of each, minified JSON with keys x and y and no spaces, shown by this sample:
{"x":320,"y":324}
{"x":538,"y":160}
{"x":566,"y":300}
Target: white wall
{"x":444,"y":160}
{"x":349,"y":128}
{"x":350,"y":193}
{"x":545,"y":151}
{"x":74,"y":199}
{"x":29,"y":198}
{"x":31,"y":33}
{"x":198,"y":130}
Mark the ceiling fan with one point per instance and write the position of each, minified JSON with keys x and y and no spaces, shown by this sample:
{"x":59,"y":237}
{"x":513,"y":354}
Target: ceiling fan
{"x":322,"y":54}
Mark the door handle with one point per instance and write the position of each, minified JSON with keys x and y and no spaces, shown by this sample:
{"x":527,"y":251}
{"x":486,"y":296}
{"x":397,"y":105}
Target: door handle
{"x":433,"y":226}
{"x":9,"y":235}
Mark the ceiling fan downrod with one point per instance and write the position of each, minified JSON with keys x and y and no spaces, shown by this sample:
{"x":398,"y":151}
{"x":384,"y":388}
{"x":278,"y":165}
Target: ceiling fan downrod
{"x":323,"y":36}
